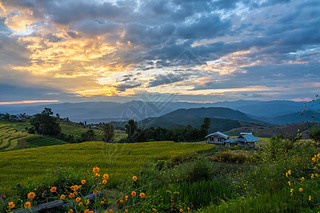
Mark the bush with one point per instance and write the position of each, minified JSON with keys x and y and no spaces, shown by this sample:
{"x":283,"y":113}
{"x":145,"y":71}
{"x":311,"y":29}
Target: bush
{"x":229,"y":157}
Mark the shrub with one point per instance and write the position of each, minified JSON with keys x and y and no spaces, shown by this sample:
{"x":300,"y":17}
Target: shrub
{"x":229,"y":157}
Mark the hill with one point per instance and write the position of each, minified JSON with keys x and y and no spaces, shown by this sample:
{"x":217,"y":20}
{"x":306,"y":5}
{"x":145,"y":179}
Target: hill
{"x":297,"y":117}
{"x":222,"y":119}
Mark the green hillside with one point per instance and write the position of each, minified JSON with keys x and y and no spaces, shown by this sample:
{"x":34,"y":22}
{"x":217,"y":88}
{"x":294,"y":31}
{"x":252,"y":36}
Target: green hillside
{"x":118,"y":159}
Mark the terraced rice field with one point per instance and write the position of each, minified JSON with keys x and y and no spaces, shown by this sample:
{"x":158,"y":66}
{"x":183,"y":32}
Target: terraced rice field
{"x":10,"y":138}
{"x":119,"y":160}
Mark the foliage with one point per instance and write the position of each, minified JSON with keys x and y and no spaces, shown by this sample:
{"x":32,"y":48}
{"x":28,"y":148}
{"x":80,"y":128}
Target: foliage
{"x":88,"y":136}
{"x":131,"y":128}
{"x":229,"y":157}
{"x":45,"y":124}
{"x":205,"y":127}
{"x":108,"y":130}
{"x":314,"y":133}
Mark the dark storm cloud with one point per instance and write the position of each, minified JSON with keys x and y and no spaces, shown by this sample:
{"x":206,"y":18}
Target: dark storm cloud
{"x":168,"y":79}
{"x":128,"y":85}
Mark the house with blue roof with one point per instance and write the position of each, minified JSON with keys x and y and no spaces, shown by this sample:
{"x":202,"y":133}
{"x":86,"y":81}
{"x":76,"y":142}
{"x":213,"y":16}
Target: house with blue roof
{"x":245,"y":139}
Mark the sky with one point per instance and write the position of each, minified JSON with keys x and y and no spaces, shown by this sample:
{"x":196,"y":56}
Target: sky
{"x":158,"y":50}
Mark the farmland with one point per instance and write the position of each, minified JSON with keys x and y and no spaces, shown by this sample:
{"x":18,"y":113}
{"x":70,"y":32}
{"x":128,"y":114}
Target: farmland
{"x":118,"y":159}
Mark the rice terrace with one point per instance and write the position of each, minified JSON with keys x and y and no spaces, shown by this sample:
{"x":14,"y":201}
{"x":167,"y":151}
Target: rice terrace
{"x":171,"y":106}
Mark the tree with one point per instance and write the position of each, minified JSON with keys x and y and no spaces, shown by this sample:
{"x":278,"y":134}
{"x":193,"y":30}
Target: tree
{"x":205,"y":127}
{"x":88,"y":136}
{"x":315,"y":135}
{"x":108,"y":130}
{"x":131,"y":128}
{"x":45,"y":124}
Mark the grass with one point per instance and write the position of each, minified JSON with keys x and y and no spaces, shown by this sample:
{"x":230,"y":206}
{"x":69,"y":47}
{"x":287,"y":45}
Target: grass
{"x":118,"y":160}
{"x":38,"y":140}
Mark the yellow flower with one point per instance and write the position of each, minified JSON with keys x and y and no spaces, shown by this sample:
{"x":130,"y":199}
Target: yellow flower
{"x":86,"y":211}
{"x":70,"y":211}
{"x":96,"y":169}
{"x":104,"y":181}
{"x":74,"y":188}
{"x":291,"y":190}
{"x":78,"y":199}
{"x":180,"y":210}
{"x":53,"y":189}
{"x":316,"y":174}
{"x":302,"y":179}
{"x":71,"y":195}
{"x":80,"y":204}
{"x":315,"y":167}
{"x":133,"y":193}
{"x":126,"y":210}
{"x":106,"y":176}
{"x":62,"y":197}
{"x":86,"y":202}
{"x":134,"y":178}
{"x":121,"y":201}
{"x":95,"y":192}
{"x":142,"y":195}
{"x":313,"y":159}
{"x":27,"y":205}
{"x":318,"y":155}
{"x":126,"y":197}
{"x":289,"y":172}
{"x":289,"y":183}
{"x":300,"y":189}
{"x":31,"y":195}
{"x":83,"y":181}
{"x":11,"y":205}
{"x":111,"y":211}
{"x":188,"y":208}
{"x":102,"y":202}
{"x":312,"y":176}
{"x":309,"y":197}
{"x":153,"y":209}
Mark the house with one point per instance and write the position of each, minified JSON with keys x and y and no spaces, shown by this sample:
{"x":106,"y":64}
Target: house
{"x":217,"y":138}
{"x":231,"y":142}
{"x":246,"y":140}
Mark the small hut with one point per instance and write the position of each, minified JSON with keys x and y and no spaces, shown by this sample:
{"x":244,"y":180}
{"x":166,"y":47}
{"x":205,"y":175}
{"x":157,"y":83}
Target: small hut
{"x":217,"y":138}
{"x":246,"y":140}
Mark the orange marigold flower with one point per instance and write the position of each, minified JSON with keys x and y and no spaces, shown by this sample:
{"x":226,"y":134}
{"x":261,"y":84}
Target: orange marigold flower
{"x":313,"y":159}
{"x":78,"y":199}
{"x":96,"y":169}
{"x":121,"y":201}
{"x":111,"y":211}
{"x":95,"y":192}
{"x":126,"y":210}
{"x":97,"y":175}
{"x":11,"y":205}
{"x":53,"y":189}
{"x":70,"y":211}
{"x":153,"y":209}
{"x":300,"y":189}
{"x":134,"y":178}
{"x":188,"y":208}
{"x":83,"y":181}
{"x":31,"y":195}
{"x":106,"y":176}
{"x":309,"y":197}
{"x":104,"y":181}
{"x":142,"y":195}
{"x":80,"y":204}
{"x":71,"y":195}
{"x":27,"y":205}
{"x":133,"y":193}
{"x":62,"y":197}
{"x":86,"y":211}
{"x":86,"y":202}
{"x":106,"y":211}
{"x":181,"y":210}
{"x":126,"y":197}
{"x":91,"y":211}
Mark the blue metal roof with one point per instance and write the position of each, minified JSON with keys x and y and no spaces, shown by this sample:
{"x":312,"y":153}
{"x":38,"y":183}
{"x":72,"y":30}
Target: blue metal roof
{"x":218,"y":134}
{"x":231,"y":141}
{"x":247,"y":137}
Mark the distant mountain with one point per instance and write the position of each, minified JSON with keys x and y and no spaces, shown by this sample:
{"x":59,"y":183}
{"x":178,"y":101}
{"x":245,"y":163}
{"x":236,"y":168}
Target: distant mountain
{"x":222,"y":119}
{"x":96,"y":112}
{"x":298,"y":117}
